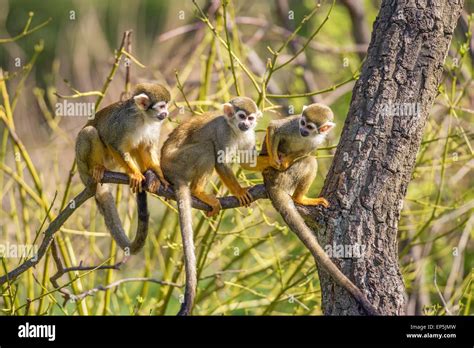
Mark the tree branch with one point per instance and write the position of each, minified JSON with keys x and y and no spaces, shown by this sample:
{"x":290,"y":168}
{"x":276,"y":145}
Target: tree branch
{"x":229,"y":202}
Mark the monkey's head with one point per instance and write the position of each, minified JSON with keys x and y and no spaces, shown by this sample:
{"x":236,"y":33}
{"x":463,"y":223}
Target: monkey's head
{"x":152,"y":100}
{"x":315,"y":120}
{"x":242,"y":113}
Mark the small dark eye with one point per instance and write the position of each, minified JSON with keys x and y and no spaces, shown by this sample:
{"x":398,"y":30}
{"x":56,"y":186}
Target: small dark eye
{"x":310,"y":127}
{"x":242,"y":116}
{"x":251,"y":118}
{"x":302,"y":122}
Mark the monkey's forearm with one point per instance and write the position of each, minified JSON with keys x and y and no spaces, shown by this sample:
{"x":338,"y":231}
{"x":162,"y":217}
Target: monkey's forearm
{"x":262,"y":163}
{"x":272,"y":142}
{"x":228,"y":178}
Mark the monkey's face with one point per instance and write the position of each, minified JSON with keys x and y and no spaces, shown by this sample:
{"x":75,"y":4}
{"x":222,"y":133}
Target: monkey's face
{"x":155,"y":110}
{"x":160,"y":110}
{"x":242,"y":114}
{"x":152,"y":100}
{"x":311,"y":129}
{"x":245,"y":121}
{"x":316,"y":120}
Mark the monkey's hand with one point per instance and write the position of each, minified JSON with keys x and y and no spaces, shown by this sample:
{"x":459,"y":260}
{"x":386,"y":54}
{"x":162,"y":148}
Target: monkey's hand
{"x":243,"y":196}
{"x":275,"y":163}
{"x":286,"y":162}
{"x":136,"y":180}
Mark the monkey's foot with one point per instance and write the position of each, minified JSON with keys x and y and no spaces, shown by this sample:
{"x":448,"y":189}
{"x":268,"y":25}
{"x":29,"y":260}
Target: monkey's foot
{"x":312,"y":201}
{"x":164,"y":182}
{"x":210,"y":200}
{"x":244,"y":197}
{"x":157,"y":170}
{"x":154,"y":185}
{"x":136,"y":180}
{"x":98,"y":173}
{"x":216,"y":208}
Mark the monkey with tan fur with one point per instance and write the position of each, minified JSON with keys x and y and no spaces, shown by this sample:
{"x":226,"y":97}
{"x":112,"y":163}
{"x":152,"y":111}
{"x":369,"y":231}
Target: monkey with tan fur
{"x":124,"y":135}
{"x":191,"y":154}
{"x":289,"y":169}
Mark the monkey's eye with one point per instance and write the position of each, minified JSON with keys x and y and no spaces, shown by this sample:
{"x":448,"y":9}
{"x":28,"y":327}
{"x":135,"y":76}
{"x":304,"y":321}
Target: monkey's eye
{"x":242,"y":116}
{"x":302,"y":122}
{"x":310,"y":127}
{"x":160,"y":105}
{"x":251,"y":118}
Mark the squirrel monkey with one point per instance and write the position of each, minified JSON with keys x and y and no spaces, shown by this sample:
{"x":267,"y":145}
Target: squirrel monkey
{"x":288,"y":170}
{"x":125,"y":135}
{"x":188,"y":158}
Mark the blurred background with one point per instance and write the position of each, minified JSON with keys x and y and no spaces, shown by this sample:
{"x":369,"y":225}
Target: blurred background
{"x":249,"y":263}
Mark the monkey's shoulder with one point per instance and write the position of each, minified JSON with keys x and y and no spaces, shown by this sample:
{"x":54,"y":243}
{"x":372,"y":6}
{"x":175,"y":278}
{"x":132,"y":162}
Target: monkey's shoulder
{"x":105,"y":114}
{"x":286,"y":125}
{"x":196,"y":129}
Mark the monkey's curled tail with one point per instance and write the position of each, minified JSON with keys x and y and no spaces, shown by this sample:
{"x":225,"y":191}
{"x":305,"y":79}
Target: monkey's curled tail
{"x":106,"y":203}
{"x":296,"y":223}
{"x":183,"y":198}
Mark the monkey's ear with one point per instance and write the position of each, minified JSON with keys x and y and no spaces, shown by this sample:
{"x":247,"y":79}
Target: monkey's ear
{"x":305,"y":107}
{"x":228,"y":110}
{"x":259,"y":114}
{"x":142,"y":101}
{"x":325,"y":128}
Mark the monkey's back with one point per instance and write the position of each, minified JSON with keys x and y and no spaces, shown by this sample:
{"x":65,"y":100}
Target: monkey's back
{"x":288,"y":129}
{"x":189,"y":151}
{"x":102,"y":115}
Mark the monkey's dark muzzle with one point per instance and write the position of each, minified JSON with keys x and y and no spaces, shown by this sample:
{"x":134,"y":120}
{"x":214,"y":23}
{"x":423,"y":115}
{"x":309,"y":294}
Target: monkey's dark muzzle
{"x":243,"y":127}
{"x":161,"y":116}
{"x":304,"y":133}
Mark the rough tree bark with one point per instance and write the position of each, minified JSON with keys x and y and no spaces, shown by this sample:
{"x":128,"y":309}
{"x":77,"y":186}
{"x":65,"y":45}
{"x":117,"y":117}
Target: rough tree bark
{"x":372,"y":167}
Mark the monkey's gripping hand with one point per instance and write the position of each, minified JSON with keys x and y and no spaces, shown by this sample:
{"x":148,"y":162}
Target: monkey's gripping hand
{"x":230,"y":181}
{"x":136,"y":180}
{"x":243,"y":196}
{"x":275,"y":162}
{"x":287,"y":161}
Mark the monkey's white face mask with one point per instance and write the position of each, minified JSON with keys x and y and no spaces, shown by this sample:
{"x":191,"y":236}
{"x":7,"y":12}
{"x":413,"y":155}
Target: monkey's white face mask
{"x":157,"y":111}
{"x":239,"y":119}
{"x":312,"y":131}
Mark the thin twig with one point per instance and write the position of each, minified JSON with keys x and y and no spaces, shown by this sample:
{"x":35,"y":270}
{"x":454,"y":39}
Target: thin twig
{"x":231,"y":59}
{"x":206,"y":20}
{"x":26,"y":31}
{"x":122,"y":281}
{"x":440,"y":294}
{"x":309,"y":94}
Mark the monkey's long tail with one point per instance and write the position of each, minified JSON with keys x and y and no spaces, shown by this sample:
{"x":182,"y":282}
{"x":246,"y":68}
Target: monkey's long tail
{"x":296,"y":223}
{"x":106,"y":203}
{"x":183,"y":198}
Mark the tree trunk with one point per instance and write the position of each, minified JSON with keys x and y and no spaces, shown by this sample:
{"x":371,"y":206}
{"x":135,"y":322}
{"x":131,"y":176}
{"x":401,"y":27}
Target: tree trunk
{"x":372,"y":167}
